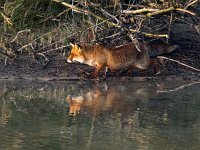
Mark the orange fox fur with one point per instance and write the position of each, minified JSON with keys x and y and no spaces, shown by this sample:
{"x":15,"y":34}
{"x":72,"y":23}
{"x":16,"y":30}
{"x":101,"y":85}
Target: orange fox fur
{"x":114,"y":58}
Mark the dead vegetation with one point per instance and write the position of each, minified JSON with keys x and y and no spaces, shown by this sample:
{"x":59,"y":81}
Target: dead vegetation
{"x":37,"y":28}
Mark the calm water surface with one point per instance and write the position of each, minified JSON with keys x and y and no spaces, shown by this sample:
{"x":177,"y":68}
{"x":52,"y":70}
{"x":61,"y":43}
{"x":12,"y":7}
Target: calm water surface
{"x":113,"y":115}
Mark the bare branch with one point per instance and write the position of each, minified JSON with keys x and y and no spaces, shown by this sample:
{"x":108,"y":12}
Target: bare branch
{"x":155,"y":35}
{"x":192,"y":3}
{"x":162,"y":57}
{"x":139,"y":11}
{"x":185,"y":11}
{"x":110,"y":15}
{"x":160,"y":12}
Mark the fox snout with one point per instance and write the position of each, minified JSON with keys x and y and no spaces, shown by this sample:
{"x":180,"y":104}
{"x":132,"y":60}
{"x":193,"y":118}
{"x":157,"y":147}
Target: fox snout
{"x":69,"y":60}
{"x":75,"y":59}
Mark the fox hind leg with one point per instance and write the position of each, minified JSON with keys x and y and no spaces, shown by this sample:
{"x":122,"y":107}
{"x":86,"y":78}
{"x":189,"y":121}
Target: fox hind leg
{"x":154,"y":63}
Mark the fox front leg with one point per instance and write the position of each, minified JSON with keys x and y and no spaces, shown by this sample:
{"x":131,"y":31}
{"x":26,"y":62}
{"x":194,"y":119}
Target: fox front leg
{"x":98,"y":68}
{"x":110,"y":72}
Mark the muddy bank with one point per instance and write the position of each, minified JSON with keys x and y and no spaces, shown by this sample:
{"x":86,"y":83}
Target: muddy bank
{"x":58,"y":69}
{"x":25,"y":66}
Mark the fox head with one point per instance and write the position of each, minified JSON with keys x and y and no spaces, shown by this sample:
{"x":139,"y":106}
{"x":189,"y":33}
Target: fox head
{"x":75,"y":104}
{"x":76,"y":54}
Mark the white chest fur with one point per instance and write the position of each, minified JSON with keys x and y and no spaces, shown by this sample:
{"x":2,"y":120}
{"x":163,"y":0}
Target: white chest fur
{"x":90,"y":63}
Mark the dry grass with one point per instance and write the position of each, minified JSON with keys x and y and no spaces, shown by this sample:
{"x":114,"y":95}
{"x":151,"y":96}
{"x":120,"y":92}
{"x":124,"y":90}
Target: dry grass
{"x":42,"y":26}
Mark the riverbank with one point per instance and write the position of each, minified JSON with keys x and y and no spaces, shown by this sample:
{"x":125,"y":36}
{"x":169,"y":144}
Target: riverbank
{"x":57,"y":68}
{"x":25,"y":66}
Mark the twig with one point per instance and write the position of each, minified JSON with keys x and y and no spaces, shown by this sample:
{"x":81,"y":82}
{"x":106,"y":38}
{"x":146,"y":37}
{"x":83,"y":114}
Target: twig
{"x":162,"y":57}
{"x":197,"y":27}
{"x":27,"y":30}
{"x":139,"y":11}
{"x":8,"y":20}
{"x":110,"y":15}
{"x":192,"y":3}
{"x":41,"y":54}
{"x":185,"y":11}
{"x":169,"y":26}
{"x":39,"y":50}
{"x":5,"y":61}
{"x":137,"y":45}
{"x":111,"y":36}
{"x":29,"y":44}
{"x":160,"y":12}
{"x":53,"y":17}
{"x":85,"y":12}
{"x":155,"y":35}
{"x":149,"y":34}
{"x":52,"y":50}
{"x":178,"y":88}
{"x":134,"y":6}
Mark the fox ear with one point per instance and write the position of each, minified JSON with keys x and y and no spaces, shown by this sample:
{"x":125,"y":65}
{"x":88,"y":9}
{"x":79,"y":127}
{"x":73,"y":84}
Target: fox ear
{"x":78,"y":47}
{"x":72,"y":44}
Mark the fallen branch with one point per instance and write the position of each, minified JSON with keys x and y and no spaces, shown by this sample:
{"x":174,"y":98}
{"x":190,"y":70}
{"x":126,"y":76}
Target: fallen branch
{"x":185,"y":11}
{"x":139,"y":11}
{"x":162,"y":57}
{"x":149,"y":34}
{"x":160,"y":12}
{"x":169,"y":10}
{"x":155,"y":35}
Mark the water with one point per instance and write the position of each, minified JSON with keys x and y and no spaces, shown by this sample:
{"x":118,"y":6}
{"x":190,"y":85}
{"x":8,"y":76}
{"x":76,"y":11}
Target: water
{"x":113,"y":115}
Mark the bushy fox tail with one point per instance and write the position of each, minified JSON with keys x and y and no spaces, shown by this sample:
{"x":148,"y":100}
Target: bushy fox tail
{"x":156,"y":50}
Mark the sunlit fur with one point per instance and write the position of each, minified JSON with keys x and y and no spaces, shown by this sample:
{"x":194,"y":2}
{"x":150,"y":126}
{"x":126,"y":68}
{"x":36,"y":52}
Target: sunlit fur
{"x":114,"y":58}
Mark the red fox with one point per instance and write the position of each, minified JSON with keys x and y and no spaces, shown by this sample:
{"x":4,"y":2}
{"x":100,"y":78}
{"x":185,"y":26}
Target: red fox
{"x":114,"y":58}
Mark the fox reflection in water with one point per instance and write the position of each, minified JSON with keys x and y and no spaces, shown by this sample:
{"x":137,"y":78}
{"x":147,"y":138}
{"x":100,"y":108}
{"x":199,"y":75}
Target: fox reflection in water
{"x":98,"y":99}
